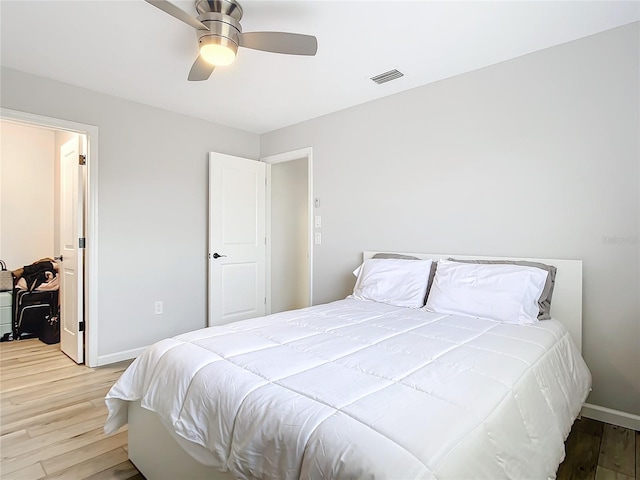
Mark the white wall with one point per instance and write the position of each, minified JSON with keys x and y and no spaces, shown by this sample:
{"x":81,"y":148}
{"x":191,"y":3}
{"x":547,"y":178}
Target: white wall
{"x":152,"y":206}
{"x":534,"y":157}
{"x":289,"y":235}
{"x":26,"y":194}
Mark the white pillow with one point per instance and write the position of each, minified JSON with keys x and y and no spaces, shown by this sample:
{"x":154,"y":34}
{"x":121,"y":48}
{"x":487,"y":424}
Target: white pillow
{"x":507,"y":293}
{"x":402,"y":283}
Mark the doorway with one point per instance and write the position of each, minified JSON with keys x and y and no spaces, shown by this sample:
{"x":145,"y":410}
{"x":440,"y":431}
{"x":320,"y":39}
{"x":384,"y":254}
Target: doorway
{"x":86,"y":136}
{"x":289,"y":230}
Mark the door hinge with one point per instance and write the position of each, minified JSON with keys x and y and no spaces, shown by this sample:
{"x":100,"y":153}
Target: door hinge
{"x":82,"y":242}
{"x":265,"y":300}
{"x":81,"y":327}
{"x":82,"y":159}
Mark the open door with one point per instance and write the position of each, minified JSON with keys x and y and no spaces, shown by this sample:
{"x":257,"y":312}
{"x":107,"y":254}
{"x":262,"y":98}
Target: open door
{"x":237,"y":239}
{"x":72,"y":240}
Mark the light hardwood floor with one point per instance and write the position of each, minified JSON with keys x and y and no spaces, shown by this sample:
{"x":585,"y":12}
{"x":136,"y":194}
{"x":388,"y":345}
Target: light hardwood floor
{"x":51,"y":417}
{"x":52,"y":413}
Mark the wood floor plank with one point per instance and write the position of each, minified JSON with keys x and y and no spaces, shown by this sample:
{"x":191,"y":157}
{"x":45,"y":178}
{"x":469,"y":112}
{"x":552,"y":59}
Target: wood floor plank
{"x":93,"y":395}
{"x":10,"y":363}
{"x":15,"y":448}
{"x":62,"y":385}
{"x":122,"y":471}
{"x":617,"y":451}
{"x":31,"y":472}
{"x":87,"y":451}
{"x":52,"y":451}
{"x":16,"y":413}
{"x":58,"y":397}
{"x":55,"y":423}
{"x":55,"y":363}
{"x":21,"y":424}
{"x":582,"y":450}
{"x":588,"y":425}
{"x":607,"y":474}
{"x":93,"y":466}
{"x":21,"y":347}
{"x":25,"y":350}
{"x":13,"y":437}
{"x":43,"y":378}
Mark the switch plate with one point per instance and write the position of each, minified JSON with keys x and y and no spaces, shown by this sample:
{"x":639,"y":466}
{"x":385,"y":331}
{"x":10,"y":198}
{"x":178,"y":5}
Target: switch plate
{"x":158,"y":308}
{"x":318,"y":221}
{"x":318,"y":238}
{"x":316,"y":203}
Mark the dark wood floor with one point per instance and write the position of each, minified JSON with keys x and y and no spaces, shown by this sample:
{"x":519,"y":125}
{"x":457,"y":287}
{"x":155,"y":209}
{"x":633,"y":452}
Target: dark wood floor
{"x":600,"y":451}
{"x":52,"y":412}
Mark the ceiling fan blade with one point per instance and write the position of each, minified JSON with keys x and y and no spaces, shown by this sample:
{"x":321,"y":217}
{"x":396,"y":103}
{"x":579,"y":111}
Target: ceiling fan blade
{"x":178,"y":13}
{"x":200,"y":70}
{"x":280,"y":42}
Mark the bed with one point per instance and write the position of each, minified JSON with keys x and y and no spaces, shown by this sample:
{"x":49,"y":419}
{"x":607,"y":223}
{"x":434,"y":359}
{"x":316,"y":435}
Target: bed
{"x":362,"y":389}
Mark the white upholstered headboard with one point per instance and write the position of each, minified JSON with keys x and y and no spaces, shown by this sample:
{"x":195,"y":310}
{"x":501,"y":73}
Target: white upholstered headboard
{"x":566,"y":303}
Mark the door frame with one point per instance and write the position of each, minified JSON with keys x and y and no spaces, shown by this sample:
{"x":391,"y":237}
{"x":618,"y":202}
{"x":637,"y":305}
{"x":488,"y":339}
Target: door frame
{"x":300,"y":154}
{"x":91,"y":215}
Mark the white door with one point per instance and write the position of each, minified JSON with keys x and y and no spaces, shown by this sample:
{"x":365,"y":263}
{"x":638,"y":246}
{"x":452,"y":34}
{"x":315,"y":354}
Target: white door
{"x":237,"y":239}
{"x":71,"y":274}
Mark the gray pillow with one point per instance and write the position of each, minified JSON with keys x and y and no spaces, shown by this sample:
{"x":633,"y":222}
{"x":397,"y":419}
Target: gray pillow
{"x":544,"y":302}
{"x":397,"y":256}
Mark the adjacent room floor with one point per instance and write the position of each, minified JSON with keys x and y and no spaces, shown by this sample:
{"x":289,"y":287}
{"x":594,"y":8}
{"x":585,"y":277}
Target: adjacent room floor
{"x":52,"y":413}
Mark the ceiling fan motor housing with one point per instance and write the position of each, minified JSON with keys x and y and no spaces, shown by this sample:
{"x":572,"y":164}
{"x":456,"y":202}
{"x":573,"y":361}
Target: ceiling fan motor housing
{"x":223,"y":30}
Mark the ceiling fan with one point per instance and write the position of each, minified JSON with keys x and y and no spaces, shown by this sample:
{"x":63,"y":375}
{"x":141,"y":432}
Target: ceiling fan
{"x":220,"y":34}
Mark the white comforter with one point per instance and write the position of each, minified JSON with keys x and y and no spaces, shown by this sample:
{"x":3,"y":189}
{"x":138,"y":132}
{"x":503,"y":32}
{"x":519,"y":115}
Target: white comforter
{"x":356,"y":389}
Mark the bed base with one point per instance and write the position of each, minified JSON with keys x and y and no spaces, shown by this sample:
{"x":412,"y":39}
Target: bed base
{"x":157,"y":455}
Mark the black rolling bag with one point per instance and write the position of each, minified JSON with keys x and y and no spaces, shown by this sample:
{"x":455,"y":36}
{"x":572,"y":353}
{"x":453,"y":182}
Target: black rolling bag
{"x":31,"y":310}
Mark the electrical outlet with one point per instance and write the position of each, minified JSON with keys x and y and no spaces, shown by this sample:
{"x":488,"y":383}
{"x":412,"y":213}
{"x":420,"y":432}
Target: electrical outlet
{"x":318,"y":221}
{"x":158,"y":307}
{"x":318,"y":239}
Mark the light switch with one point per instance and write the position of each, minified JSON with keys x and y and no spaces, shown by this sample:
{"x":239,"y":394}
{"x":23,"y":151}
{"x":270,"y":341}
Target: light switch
{"x":318,"y":221}
{"x":318,"y":239}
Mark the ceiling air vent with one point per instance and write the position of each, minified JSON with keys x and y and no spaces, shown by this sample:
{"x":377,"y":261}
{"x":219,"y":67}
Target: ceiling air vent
{"x":387,"y":76}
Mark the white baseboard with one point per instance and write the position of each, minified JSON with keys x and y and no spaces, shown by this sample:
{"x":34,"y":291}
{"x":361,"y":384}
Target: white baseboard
{"x":119,"y":356}
{"x":614,"y":417}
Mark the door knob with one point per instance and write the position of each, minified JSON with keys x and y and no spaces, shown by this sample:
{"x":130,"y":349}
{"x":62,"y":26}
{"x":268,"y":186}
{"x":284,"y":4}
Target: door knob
{"x":217,"y":255}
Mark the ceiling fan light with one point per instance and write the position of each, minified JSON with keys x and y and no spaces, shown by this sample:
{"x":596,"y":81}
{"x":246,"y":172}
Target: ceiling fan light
{"x":218,"y":51}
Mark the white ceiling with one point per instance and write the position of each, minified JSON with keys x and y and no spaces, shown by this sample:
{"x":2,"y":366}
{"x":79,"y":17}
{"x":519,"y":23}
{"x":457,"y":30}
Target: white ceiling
{"x":132,"y":50}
